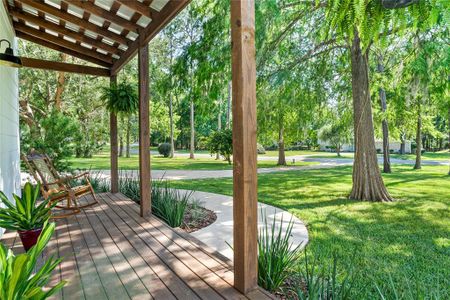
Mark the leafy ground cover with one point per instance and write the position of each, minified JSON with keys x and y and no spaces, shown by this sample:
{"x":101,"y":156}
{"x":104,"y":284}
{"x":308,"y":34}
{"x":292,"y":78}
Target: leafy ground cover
{"x":407,"y":240}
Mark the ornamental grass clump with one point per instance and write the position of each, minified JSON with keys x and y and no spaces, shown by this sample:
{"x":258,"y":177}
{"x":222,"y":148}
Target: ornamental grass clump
{"x":169,"y":204}
{"x":277,"y":256}
{"x":318,"y":280}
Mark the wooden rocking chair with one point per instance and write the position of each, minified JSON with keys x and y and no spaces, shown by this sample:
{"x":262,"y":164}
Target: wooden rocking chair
{"x":56,"y":187}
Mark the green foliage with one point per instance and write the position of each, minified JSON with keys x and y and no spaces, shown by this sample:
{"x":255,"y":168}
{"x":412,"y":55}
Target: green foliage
{"x":169,"y":204}
{"x":26,"y":214}
{"x":320,"y":280}
{"x":221,"y":142}
{"x":129,"y":185}
{"x":19,"y":278}
{"x":164,"y":149}
{"x":121,"y":98}
{"x":277,"y":257}
{"x":57,"y":136}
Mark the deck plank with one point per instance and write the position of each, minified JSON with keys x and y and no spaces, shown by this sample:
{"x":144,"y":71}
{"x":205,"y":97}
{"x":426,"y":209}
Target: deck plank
{"x":123,"y":250}
{"x":193,"y":262}
{"x":110,"y":252}
{"x":108,"y":276}
{"x":202,"y":289}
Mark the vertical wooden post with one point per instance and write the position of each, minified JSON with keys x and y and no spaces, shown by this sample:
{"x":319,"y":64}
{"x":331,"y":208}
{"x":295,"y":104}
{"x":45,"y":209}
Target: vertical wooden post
{"x":144,"y":131}
{"x":244,"y":145}
{"x":113,"y":142}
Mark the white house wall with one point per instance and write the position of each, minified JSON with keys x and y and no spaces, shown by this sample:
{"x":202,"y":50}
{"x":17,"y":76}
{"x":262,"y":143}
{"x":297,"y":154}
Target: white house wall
{"x":9,"y":116}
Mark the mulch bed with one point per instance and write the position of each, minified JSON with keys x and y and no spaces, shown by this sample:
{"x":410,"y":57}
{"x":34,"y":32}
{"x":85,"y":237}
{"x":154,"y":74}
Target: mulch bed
{"x":191,"y":224}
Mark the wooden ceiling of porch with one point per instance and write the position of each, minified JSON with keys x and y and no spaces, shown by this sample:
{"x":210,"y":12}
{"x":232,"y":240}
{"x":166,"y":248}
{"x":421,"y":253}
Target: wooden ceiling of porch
{"x":107,"y":33}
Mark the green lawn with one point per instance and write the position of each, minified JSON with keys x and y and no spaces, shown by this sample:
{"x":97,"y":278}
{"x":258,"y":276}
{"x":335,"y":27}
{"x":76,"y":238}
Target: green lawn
{"x":409,"y":238}
{"x":101,"y":161}
{"x":441,"y":155}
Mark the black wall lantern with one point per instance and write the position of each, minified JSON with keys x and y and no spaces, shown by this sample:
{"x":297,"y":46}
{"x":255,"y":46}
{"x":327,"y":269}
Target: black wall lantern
{"x":8,"y":58}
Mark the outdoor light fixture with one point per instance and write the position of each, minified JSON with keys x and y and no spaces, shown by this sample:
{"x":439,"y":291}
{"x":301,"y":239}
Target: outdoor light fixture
{"x":8,"y":58}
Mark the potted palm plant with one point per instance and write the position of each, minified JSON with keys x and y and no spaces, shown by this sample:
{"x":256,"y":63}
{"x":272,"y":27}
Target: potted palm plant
{"x":19,"y":276}
{"x":25,"y":216}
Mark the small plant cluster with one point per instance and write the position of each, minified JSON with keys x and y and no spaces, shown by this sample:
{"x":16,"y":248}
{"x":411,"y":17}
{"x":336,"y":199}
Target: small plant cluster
{"x":19,"y":278}
{"x":25,"y":214}
{"x":169,"y":204}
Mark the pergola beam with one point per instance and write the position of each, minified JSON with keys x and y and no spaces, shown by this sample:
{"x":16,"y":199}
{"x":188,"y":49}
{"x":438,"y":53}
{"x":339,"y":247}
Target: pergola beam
{"x":57,"y":41}
{"x":89,"y":6}
{"x":62,"y":49}
{"x":138,"y":7}
{"x":170,"y":10}
{"x":245,"y":212}
{"x":63,"y":30}
{"x":64,"y":67}
{"x":48,"y":9}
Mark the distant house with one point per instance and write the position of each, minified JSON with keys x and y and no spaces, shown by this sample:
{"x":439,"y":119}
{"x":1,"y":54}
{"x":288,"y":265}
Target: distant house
{"x":394,"y":146}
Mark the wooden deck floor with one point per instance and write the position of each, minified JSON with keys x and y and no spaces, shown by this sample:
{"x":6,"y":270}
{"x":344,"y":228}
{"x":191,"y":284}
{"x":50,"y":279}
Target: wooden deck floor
{"x":110,"y":252}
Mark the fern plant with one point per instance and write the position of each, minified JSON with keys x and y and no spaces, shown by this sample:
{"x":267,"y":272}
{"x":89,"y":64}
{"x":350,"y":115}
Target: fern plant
{"x":121,"y":98}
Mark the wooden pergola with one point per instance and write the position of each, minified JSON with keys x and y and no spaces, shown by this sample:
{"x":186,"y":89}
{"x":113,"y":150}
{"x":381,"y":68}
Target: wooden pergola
{"x":108,"y":34}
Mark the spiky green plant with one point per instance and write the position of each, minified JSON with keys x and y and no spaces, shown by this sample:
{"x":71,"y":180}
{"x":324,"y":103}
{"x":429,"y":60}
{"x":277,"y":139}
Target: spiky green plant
{"x":317,"y":281}
{"x":19,"y":278}
{"x":169,"y":204}
{"x":25,"y":214}
{"x":277,"y":255}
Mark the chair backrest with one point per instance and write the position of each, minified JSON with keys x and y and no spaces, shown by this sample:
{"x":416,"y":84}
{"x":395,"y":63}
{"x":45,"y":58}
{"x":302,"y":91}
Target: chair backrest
{"x":42,"y":169}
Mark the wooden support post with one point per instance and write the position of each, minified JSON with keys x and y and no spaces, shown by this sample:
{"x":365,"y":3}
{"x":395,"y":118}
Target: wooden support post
{"x":144,"y":131}
{"x":245,"y":211}
{"x":113,"y":142}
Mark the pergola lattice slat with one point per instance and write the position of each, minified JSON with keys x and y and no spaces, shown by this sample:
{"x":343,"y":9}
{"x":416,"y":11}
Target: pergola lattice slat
{"x":58,"y":41}
{"x":62,"y":49}
{"x":64,"y":31}
{"x":103,"y":13}
{"x":84,"y":23}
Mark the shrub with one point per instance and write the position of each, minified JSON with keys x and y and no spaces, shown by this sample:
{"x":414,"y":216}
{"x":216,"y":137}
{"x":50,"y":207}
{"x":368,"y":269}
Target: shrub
{"x":260,"y":149}
{"x":221,"y":142}
{"x":169,"y":204}
{"x":164,"y":149}
{"x":19,"y":276}
{"x":277,"y":256}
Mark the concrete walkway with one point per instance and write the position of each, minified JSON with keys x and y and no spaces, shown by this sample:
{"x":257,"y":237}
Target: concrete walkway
{"x":219,"y":235}
{"x":322,"y":163}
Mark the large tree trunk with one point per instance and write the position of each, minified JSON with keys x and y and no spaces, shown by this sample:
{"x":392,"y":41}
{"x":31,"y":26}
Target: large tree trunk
{"x":172,"y":142}
{"x":367,"y":181}
{"x":418,"y":164}
{"x":229,"y":106}
{"x":60,"y":85}
{"x":192,"y":146}
{"x":338,"y":150}
{"x":127,"y":151}
{"x":384,"y":122}
{"x":281,"y":152}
